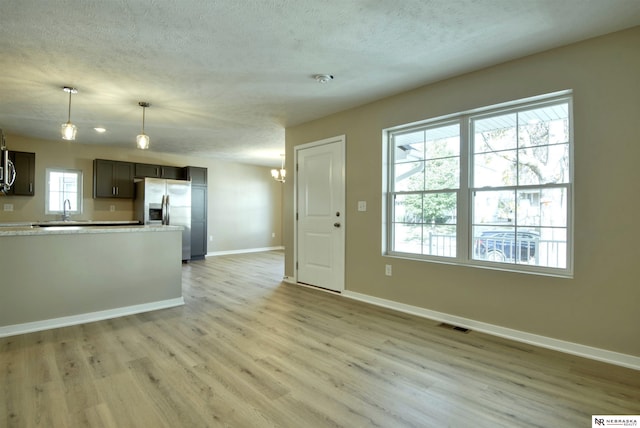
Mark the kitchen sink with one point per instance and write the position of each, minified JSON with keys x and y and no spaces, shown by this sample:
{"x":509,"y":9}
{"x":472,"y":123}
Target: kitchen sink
{"x":51,"y":223}
{"x":67,"y":227}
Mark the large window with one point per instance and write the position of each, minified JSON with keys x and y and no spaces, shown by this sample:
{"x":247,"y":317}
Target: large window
{"x":490,"y":188}
{"x":63,"y":191}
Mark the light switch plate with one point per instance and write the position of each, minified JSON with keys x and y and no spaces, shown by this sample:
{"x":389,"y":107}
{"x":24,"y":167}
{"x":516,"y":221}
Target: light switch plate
{"x":8,"y":207}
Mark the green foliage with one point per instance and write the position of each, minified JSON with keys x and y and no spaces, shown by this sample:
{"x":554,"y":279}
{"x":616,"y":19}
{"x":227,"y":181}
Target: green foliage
{"x":438,"y":174}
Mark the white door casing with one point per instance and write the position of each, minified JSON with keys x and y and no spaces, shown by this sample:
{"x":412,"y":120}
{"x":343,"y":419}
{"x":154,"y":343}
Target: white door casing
{"x":321,"y":221}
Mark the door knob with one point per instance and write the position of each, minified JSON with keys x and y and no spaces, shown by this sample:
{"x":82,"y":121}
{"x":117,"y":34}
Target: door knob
{"x":336,"y":224}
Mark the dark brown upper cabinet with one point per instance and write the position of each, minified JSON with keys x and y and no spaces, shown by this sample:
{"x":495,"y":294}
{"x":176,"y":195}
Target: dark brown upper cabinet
{"x":25,"y":164}
{"x":143,"y":170}
{"x":113,"y":179}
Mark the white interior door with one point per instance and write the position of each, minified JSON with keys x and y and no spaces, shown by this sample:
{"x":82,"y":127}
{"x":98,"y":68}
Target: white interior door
{"x":320,"y":214}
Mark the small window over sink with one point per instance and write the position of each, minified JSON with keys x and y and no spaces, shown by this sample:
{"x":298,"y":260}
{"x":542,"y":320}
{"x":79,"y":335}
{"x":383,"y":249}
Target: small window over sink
{"x":63,"y":191}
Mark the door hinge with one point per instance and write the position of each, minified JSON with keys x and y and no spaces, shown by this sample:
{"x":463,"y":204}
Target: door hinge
{"x":296,"y":216}
{"x":296,"y":265}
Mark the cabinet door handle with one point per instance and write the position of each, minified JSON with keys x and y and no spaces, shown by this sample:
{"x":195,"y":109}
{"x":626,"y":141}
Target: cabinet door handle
{"x":30,"y":187}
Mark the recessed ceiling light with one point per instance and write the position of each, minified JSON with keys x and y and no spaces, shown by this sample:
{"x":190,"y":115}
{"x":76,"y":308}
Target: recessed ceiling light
{"x":100,"y":130}
{"x":323,"y":78}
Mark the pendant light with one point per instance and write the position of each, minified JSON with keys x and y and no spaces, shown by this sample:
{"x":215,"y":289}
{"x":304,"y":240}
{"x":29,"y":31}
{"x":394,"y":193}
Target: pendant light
{"x":142,"y":140}
{"x":69,"y":130}
{"x":281,"y":174}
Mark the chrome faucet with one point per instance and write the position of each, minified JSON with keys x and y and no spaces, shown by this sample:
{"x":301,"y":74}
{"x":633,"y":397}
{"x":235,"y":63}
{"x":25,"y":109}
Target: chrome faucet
{"x":65,"y":214}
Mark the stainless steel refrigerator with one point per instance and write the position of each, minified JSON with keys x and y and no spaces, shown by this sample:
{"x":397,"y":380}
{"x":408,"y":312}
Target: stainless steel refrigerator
{"x":168,"y":202}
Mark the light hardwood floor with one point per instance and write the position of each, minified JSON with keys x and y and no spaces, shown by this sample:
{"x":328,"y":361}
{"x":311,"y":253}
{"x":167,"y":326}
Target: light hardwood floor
{"x":250,"y":351}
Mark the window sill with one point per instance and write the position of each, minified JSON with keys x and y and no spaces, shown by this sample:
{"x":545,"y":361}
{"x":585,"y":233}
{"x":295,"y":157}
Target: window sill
{"x":502,"y":267}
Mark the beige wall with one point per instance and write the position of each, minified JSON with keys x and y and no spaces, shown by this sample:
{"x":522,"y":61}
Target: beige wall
{"x":240,"y":207}
{"x":600,"y":306}
{"x":94,"y":273}
{"x":244,"y":202}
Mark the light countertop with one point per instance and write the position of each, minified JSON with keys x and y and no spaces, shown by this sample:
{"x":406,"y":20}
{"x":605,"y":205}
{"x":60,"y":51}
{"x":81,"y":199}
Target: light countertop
{"x":46,"y":223}
{"x":30,"y":230}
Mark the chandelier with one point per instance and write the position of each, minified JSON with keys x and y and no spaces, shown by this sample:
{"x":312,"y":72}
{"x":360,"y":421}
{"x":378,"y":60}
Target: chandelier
{"x":279,"y":174}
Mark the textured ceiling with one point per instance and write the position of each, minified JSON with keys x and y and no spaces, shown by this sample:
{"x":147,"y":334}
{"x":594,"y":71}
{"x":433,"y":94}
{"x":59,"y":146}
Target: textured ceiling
{"x":224,"y":78}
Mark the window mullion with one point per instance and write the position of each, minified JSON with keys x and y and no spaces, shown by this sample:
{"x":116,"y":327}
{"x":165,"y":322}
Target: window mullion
{"x":464,"y":199}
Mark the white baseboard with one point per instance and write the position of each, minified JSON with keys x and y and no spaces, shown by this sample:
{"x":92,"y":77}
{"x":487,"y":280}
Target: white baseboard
{"x":624,"y":360}
{"x":247,"y":250}
{"x":30,"y":327}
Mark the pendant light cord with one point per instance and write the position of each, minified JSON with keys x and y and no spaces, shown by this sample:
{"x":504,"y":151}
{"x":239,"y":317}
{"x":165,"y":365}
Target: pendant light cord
{"x":69,"y":113}
{"x":143,"y":110}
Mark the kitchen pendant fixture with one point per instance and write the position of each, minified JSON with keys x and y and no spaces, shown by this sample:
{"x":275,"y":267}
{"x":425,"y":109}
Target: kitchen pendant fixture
{"x":142,"y":140}
{"x":69,"y":130}
{"x":279,"y":175}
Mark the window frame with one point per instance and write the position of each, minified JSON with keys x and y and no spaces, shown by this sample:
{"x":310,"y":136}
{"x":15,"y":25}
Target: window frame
{"x":465,"y":208}
{"x":77,"y":202}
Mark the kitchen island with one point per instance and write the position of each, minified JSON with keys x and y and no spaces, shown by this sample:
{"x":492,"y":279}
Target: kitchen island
{"x":63,"y":275}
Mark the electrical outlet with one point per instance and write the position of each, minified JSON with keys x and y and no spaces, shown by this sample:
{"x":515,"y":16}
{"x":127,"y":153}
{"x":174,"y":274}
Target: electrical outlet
{"x":387,"y":270}
{"x":112,"y":208}
{"x":362,"y":205}
{"x":8,"y":207}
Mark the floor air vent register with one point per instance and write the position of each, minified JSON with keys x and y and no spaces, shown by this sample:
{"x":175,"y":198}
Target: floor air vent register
{"x":454,"y":327}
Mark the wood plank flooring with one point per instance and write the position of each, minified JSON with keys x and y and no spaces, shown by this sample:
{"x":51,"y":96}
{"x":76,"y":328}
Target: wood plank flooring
{"x":250,"y":351}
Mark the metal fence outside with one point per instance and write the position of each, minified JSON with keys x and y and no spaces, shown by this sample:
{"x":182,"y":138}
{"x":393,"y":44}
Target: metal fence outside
{"x":537,"y":252}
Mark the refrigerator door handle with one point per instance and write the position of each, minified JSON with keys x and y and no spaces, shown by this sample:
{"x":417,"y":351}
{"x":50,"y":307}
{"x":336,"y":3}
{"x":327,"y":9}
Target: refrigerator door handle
{"x":168,"y":210}
{"x":164,"y":209}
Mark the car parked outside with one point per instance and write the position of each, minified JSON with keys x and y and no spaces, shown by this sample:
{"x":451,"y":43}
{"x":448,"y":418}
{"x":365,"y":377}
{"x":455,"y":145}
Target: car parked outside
{"x":502,"y":245}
